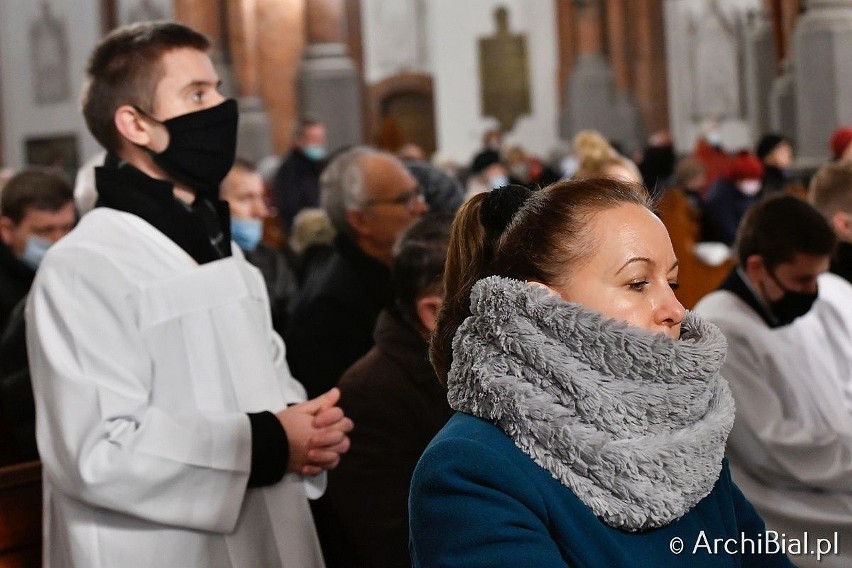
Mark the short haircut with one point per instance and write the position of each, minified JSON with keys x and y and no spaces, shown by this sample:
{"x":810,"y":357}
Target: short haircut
{"x":418,"y":262}
{"x":831,"y":189}
{"x":34,"y":188}
{"x":342,"y":186}
{"x":124,"y":69}
{"x":781,"y":226}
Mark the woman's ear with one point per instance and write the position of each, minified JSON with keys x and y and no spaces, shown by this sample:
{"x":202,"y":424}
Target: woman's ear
{"x":427,"y":311}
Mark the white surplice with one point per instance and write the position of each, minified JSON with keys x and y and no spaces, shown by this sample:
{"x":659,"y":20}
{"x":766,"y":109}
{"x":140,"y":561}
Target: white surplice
{"x":790,"y":450}
{"x":144,"y":365}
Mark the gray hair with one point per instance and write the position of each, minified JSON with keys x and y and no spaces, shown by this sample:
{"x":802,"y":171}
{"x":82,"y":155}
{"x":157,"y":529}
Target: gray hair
{"x":342,"y":186}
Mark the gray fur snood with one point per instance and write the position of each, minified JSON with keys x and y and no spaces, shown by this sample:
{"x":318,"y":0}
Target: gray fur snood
{"x":632,"y":422}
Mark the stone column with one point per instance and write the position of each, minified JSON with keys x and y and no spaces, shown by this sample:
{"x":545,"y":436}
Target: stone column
{"x":625,"y":108}
{"x":206,"y":16}
{"x":590,"y":101}
{"x":329,"y":85}
{"x":650,"y":88}
{"x":254,"y":138}
{"x":760,"y":71}
{"x":822,"y":50}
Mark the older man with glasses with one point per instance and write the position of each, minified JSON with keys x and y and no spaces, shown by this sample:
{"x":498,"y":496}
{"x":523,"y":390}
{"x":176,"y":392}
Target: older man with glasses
{"x":371,"y":199}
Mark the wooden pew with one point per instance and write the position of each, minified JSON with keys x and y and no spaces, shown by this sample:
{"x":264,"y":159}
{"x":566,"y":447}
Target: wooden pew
{"x":696,"y":277}
{"x":20,"y":515}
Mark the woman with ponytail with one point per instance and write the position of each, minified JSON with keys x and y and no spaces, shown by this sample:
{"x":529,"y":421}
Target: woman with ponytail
{"x":591,"y":416}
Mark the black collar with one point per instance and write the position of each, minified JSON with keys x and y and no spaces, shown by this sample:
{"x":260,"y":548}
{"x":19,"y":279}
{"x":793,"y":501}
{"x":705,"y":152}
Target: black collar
{"x":202,"y":229}
{"x":736,"y":284}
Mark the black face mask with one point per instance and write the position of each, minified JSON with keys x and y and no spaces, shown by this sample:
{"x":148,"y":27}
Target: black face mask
{"x":201,"y":148}
{"x":791,"y":305}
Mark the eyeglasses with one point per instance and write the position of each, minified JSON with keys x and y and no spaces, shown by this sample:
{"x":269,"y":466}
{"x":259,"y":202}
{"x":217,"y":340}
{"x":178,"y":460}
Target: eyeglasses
{"x":410,"y":199}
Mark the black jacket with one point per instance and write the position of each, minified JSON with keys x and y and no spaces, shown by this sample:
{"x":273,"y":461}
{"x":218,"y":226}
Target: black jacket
{"x":332,"y":323}
{"x":15,"y":281}
{"x":398,"y":405}
{"x":296,"y":186}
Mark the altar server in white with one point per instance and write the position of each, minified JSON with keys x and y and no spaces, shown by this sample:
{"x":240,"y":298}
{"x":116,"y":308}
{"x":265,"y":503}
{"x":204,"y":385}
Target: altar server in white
{"x":789,"y":329}
{"x":170,"y":428}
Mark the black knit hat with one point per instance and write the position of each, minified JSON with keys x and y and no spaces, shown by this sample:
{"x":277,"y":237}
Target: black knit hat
{"x":767,"y":143}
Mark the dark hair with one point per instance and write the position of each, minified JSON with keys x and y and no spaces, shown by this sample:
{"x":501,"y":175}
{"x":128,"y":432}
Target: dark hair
{"x":124,"y":69}
{"x":779,"y":227}
{"x":418,"y":262}
{"x":537,"y":240}
{"x":308,"y":120}
{"x":34,"y":188}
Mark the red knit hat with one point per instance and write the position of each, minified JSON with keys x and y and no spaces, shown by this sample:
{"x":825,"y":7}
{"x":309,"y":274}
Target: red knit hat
{"x":840,"y":140}
{"x":745,"y":166}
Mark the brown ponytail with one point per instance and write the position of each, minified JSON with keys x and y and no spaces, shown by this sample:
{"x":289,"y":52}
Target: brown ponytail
{"x":543,"y":239}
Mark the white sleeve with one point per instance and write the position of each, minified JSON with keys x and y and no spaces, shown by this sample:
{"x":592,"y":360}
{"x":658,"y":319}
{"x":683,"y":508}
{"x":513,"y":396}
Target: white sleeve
{"x":101,"y":439}
{"x":780,"y":435}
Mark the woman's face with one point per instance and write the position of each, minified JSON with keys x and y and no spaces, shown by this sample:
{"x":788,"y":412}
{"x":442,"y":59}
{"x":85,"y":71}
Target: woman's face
{"x":631,"y":273}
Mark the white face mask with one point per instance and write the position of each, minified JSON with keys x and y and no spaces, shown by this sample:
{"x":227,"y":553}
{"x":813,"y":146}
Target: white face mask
{"x":749,"y":187}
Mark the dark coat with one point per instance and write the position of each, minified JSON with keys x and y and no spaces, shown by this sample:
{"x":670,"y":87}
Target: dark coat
{"x":280,"y":282}
{"x":15,"y":281}
{"x":333,"y":320}
{"x":724,"y":207}
{"x":296,"y":185}
{"x":17,"y":408}
{"x":394,"y":397}
{"x":841,"y":264}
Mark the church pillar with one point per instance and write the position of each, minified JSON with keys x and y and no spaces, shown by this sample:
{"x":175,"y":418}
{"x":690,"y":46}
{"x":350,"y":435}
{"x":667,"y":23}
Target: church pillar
{"x":591,"y":91}
{"x":649,"y":60}
{"x":329,"y":85}
{"x":760,"y":71}
{"x":254,"y":138}
{"x":823,"y":92}
{"x":208,"y":17}
{"x":280,"y":42}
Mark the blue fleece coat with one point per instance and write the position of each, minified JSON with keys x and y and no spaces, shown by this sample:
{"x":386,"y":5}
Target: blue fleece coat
{"x":479,"y":501}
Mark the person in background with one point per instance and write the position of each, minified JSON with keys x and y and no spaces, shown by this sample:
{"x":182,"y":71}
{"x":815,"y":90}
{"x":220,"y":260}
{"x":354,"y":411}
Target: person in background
{"x":411,"y":152}
{"x":169,"y":427}
{"x":310,"y":244}
{"x":830,"y":193}
{"x":776,"y":153}
{"x":442,"y":192}
{"x":296,"y":183}
{"x":787,"y":325}
{"x":487,"y":172}
{"x":244,"y":191}
{"x":710,"y":152}
{"x":591,"y":415}
{"x":36,"y":210}
{"x":841,"y":144}
{"x":371,"y":198}
{"x":399,"y":405}
{"x":730,"y":197}
{"x":691,"y":177}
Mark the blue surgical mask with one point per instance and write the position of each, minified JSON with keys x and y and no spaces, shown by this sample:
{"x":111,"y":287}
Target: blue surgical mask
{"x":246,"y":233}
{"x":315,"y":152}
{"x":34,"y":251}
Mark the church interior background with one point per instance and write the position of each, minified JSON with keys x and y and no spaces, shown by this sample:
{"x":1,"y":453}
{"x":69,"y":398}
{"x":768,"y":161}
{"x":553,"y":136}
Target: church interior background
{"x":441,"y":72}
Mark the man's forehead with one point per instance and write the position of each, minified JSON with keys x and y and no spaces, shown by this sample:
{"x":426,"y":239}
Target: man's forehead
{"x":184,"y":66}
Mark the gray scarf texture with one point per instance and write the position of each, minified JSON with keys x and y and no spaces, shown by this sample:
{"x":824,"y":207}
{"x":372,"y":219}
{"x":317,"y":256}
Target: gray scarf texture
{"x":632,"y":422}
